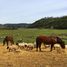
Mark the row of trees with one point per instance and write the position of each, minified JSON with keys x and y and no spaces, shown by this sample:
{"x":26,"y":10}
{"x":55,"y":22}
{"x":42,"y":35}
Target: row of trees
{"x":51,"y":22}
{"x":14,"y":26}
{"x":47,"y":22}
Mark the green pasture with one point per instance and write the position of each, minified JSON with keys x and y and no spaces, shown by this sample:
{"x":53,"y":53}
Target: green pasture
{"x":29,"y":35}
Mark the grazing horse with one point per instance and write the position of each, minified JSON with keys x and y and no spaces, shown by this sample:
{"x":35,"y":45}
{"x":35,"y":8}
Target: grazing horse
{"x":7,"y":40}
{"x":50,"y":40}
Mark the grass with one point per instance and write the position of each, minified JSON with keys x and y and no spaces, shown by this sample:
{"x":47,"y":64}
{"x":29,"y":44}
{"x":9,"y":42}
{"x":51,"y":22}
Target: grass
{"x":29,"y":35}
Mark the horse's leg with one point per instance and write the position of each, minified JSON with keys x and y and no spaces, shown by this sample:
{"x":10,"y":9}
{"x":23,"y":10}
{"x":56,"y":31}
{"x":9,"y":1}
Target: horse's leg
{"x":12,"y":42}
{"x":40,"y":47}
{"x":7,"y":45}
{"x":3,"y":42}
{"x":36,"y":46}
{"x":54,"y":48}
{"x":51,"y":46}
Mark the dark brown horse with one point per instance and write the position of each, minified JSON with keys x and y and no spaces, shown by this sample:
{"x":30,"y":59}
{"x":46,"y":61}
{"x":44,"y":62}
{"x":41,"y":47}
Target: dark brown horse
{"x":7,"y":40}
{"x":50,"y":40}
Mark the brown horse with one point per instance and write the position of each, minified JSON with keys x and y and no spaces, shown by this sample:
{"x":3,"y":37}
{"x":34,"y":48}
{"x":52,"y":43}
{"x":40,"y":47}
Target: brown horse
{"x":50,"y":40}
{"x":7,"y":40}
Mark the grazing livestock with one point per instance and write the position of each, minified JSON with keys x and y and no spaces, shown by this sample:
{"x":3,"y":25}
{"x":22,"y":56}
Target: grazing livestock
{"x":47,"y":46}
{"x":30,"y":46}
{"x":12,"y":47}
{"x":56,"y":46}
{"x":50,"y":40}
{"x":7,"y":40}
{"x":66,"y":46}
{"x":26,"y":46}
{"x":22,"y":45}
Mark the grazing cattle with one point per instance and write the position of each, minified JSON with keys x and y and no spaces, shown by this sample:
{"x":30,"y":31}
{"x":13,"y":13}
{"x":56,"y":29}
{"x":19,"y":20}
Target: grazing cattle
{"x":7,"y":40}
{"x":50,"y":40}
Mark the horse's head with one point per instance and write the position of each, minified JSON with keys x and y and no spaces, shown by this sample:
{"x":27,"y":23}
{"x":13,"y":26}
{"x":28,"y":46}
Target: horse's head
{"x":63,"y":44}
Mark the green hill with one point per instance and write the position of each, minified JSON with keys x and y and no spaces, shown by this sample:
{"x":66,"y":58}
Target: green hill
{"x":51,"y":22}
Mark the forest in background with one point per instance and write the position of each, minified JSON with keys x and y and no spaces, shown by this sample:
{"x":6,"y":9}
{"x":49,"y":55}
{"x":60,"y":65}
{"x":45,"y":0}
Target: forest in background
{"x":46,"y":22}
{"x":51,"y":23}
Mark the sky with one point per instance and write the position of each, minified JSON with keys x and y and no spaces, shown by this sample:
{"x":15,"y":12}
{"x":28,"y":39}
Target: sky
{"x":28,"y":11}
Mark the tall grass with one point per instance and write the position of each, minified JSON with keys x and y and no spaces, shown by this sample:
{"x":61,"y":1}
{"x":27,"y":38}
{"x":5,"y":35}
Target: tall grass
{"x":29,"y":35}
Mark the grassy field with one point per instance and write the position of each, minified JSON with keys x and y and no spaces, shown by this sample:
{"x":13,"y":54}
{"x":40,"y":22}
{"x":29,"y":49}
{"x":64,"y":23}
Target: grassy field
{"x":31,"y":58}
{"x":29,"y":35}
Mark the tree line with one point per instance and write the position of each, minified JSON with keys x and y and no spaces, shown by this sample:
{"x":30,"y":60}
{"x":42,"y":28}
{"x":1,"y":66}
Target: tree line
{"x":51,"y":22}
{"x":14,"y":26}
{"x":47,"y":22}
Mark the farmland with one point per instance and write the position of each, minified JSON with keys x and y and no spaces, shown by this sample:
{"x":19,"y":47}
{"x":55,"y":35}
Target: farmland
{"x":29,"y":35}
{"x":31,"y":58}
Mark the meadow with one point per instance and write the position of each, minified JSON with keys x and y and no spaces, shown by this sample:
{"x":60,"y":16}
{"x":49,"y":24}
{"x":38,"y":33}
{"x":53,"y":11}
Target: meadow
{"x":29,"y":35}
{"x":31,"y":58}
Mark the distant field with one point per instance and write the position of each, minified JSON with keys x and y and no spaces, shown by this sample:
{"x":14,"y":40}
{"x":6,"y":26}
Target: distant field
{"x":29,"y":35}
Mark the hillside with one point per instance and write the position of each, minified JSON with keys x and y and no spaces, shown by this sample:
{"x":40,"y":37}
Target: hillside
{"x":51,"y":22}
{"x":47,"y":22}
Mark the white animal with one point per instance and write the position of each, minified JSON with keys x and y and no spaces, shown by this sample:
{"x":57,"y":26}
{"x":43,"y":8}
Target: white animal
{"x":30,"y":46}
{"x":47,"y":46}
{"x":21,"y":45}
{"x":27,"y":46}
{"x":65,"y":46}
{"x":12,"y":47}
{"x":57,"y":46}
